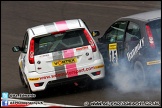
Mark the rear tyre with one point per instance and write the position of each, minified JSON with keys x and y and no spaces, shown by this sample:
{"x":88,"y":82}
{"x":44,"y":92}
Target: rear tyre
{"x":83,"y":84}
{"x":139,"y":74}
{"x":97,"y":84}
{"x":22,"y":78}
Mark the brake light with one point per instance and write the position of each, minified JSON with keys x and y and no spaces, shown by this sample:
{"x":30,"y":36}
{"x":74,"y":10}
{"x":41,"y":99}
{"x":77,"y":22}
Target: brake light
{"x":31,"y":51}
{"x":63,"y":31}
{"x":150,"y":36}
{"x":91,"y":42}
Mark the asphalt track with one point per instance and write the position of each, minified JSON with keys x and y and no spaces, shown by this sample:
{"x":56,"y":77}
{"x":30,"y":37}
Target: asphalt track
{"x":17,"y":16}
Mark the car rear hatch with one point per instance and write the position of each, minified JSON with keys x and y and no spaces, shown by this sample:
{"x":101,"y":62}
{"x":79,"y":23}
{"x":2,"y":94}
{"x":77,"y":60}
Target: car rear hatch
{"x":153,"y":30}
{"x":63,"y":51}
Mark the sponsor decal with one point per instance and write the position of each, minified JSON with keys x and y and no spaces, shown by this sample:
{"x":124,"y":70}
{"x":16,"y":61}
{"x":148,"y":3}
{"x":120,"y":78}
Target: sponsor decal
{"x":69,"y":73}
{"x":82,"y":48}
{"x":63,"y":62}
{"x":33,"y":79}
{"x":59,"y":75}
{"x":134,"y":51}
{"x":44,"y":77}
{"x":154,"y":62}
{"x":44,"y":55}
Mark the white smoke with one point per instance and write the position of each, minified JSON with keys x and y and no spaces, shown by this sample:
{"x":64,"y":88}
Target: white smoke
{"x":124,"y":80}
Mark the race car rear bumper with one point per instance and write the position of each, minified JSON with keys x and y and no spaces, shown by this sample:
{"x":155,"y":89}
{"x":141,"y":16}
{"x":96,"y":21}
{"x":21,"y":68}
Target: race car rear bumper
{"x":39,"y":82}
{"x":68,"y":81}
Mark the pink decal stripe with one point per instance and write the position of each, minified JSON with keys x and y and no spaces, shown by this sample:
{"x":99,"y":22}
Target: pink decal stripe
{"x":70,"y":68}
{"x":61,"y":25}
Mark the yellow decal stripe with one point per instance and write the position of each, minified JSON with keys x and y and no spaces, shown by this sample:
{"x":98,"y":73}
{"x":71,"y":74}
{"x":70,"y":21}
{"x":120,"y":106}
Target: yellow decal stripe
{"x":100,"y":66}
{"x":33,"y":79}
{"x":154,"y":62}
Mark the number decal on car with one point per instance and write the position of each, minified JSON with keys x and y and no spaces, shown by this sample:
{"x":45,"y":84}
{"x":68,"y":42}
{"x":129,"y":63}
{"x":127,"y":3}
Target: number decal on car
{"x":113,"y":56}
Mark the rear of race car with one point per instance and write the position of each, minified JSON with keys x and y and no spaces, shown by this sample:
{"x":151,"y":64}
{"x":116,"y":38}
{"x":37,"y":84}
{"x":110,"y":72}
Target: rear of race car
{"x":153,"y":55}
{"x":69,"y":53}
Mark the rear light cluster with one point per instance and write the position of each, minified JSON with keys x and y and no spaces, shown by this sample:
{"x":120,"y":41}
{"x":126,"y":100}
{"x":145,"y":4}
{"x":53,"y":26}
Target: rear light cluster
{"x":38,"y":84}
{"x":150,"y":36}
{"x":91,"y":42}
{"x":96,"y":73}
{"x":63,"y":31}
{"x":31,"y":51}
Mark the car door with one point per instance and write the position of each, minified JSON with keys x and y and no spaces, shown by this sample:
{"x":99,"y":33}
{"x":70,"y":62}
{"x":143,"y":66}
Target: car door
{"x":133,"y":41}
{"x":23,"y":52}
{"x":113,"y":43}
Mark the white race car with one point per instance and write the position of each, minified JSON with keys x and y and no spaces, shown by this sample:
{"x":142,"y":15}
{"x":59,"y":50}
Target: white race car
{"x":58,"y":53}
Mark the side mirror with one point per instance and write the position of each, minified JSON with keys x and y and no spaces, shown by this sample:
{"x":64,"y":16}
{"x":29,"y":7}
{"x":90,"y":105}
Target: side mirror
{"x":16,"y":48}
{"x":95,"y":33}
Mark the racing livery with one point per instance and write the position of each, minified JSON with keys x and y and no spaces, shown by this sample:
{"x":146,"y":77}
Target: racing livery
{"x":58,"y":53}
{"x":134,"y":42}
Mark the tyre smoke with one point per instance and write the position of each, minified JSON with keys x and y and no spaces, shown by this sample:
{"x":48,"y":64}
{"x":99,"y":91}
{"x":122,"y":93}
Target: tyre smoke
{"x":125,"y":81}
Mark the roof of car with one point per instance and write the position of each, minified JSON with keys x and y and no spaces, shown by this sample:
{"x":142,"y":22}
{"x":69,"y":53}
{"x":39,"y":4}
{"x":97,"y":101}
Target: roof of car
{"x":146,"y":16}
{"x":57,"y":26}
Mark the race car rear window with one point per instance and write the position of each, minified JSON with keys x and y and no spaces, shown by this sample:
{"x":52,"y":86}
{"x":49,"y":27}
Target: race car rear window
{"x":60,"y":41}
{"x":156,"y":30}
